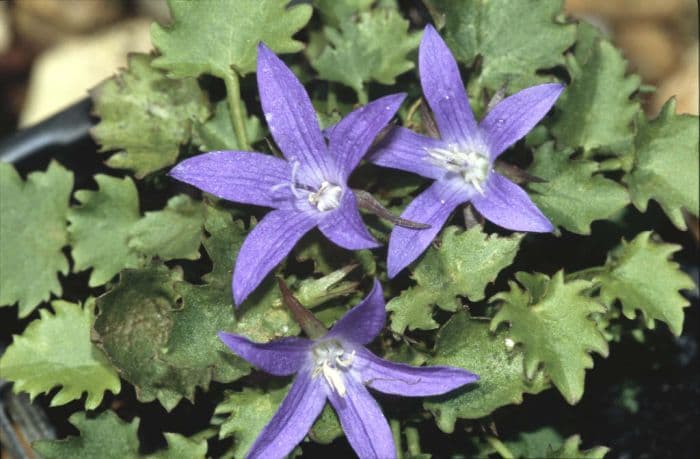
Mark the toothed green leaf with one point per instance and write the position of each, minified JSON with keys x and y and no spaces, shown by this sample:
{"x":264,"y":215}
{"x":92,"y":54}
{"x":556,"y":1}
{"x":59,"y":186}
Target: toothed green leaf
{"x":464,"y":263}
{"x":180,"y":447}
{"x":217,"y":132}
{"x":571,"y":448}
{"x":146,"y":116}
{"x":666,"y":164}
{"x":575,"y":193}
{"x":32,"y":234}
{"x":467,"y":343}
{"x":55,"y":350}
{"x":99,"y":228}
{"x":552,"y":320}
{"x":211,"y":36}
{"x":642,"y":276}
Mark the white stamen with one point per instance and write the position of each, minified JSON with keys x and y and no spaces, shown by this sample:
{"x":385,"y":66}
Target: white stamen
{"x":327,"y":197}
{"x":332,"y":361}
{"x":510,"y":344}
{"x":471,"y":165}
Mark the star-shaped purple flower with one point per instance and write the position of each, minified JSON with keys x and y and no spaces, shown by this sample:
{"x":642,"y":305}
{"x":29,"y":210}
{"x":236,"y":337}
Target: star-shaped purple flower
{"x":338,"y":367}
{"x":461,"y":161}
{"x":306,"y":190}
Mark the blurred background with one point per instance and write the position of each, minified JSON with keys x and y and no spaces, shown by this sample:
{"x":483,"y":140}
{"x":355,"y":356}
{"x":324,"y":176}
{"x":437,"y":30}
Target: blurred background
{"x":53,"y":51}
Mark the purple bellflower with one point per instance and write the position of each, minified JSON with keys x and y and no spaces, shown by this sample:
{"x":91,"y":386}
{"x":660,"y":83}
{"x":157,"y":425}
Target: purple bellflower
{"x":461,"y":161}
{"x":307,"y":189}
{"x":337,"y":367}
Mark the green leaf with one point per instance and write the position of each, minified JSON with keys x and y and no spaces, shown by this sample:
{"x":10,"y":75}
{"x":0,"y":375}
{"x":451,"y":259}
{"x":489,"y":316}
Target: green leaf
{"x":358,"y":52}
{"x":642,"y":276}
{"x":99,"y":228}
{"x":570,"y":448}
{"x":666,"y":164}
{"x":513,"y":39}
{"x":335,"y":12}
{"x":596,"y":111}
{"x":249,"y":411}
{"x":327,"y":427}
{"x":174,"y":232}
{"x":55,"y":350}
{"x":133,"y":329}
{"x":180,"y":447}
{"x":217,"y":132}
{"x":551,"y":318}
{"x":104,"y":436}
{"x":535,"y":444}
{"x":467,"y":343}
{"x":32,"y":234}
{"x":463,"y":264}
{"x":146,"y":116}
{"x":208,"y":36}
{"x":575,"y":193}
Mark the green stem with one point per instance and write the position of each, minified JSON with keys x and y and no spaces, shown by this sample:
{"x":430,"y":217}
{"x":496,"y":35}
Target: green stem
{"x":233,"y":95}
{"x":500,"y":447}
{"x":361,"y":95}
{"x":396,"y":433}
{"x":412,"y":441}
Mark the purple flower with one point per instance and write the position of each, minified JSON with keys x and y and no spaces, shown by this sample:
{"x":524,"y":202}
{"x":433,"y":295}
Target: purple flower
{"x":338,"y":367}
{"x":461,"y":162}
{"x":306,"y":190}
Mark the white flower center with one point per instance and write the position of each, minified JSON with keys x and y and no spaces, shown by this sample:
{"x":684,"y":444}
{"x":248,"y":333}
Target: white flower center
{"x":327,"y":197}
{"x":331,"y":361}
{"x":471,"y":165}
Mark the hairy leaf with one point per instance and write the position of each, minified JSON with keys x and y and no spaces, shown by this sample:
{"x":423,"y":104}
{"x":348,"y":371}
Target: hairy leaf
{"x":463,"y":264}
{"x":666,"y":164}
{"x":103,"y":436}
{"x":99,"y":228}
{"x":641,"y":275}
{"x":571,"y":448}
{"x":174,"y":232}
{"x":467,"y":343}
{"x":32,"y":234}
{"x":513,"y":39}
{"x":335,"y":12}
{"x":209,"y":36}
{"x":217,"y":132}
{"x":596,"y":111}
{"x":55,"y":350}
{"x":359,"y":51}
{"x":552,"y":320}
{"x":180,"y":447}
{"x":575,"y":194}
{"x":146,"y":116}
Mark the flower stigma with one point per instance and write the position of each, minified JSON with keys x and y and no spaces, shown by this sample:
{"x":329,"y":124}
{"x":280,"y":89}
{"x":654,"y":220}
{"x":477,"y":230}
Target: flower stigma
{"x":327,"y":197}
{"x":331,"y":360}
{"x":471,"y":165}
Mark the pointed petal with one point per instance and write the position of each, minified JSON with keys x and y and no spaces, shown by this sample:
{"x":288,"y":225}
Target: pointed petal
{"x":281,"y":357}
{"x":407,"y":380}
{"x":516,"y":115}
{"x":353,"y":135}
{"x":444,"y":90}
{"x":268,"y":243}
{"x":363,"y":422}
{"x":238,"y":176}
{"x":292,"y":118}
{"x":431,"y":207}
{"x":293,"y":419}
{"x":507,"y":205}
{"x":362,"y":323}
{"x":405,"y":150}
{"x":344,"y":226}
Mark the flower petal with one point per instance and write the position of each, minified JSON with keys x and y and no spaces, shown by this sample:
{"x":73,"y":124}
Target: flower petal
{"x":405,"y":150}
{"x":353,"y":135}
{"x":292,"y":118}
{"x":293,"y":419}
{"x":431,"y":207}
{"x":363,"y":422}
{"x":344,"y":226}
{"x":507,"y":205}
{"x":362,"y":323}
{"x":268,"y":243}
{"x":516,"y":115}
{"x":238,"y":176}
{"x":444,"y":90}
{"x":281,"y":357}
{"x":407,"y":380}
